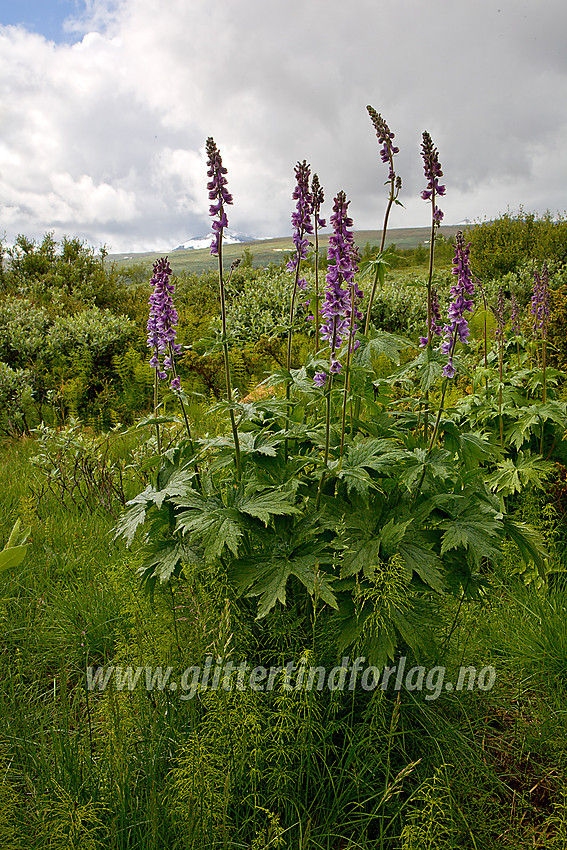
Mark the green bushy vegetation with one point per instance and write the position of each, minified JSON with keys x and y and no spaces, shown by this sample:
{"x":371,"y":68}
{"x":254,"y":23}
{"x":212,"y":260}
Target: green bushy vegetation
{"x":503,"y":245}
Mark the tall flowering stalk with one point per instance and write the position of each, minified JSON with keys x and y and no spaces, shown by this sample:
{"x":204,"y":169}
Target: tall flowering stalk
{"x":436,"y":328}
{"x":433,"y":172}
{"x":221,"y":197}
{"x":340,"y":308}
{"x":387,"y":154}
{"x":461,"y":292}
{"x":499,"y":315}
{"x":457,"y":328}
{"x":317,"y":198}
{"x":516,"y":325}
{"x":162,"y":331}
{"x":539,"y":309}
{"x":303,"y":226}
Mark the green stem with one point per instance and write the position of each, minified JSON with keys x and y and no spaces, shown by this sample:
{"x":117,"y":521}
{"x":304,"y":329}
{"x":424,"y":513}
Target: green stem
{"x":391,"y":199}
{"x":500,"y":370}
{"x":227,"y":364}
{"x":316,"y":311}
{"x":347,"y":368}
{"x":327,"y":443}
{"x":156,"y":379}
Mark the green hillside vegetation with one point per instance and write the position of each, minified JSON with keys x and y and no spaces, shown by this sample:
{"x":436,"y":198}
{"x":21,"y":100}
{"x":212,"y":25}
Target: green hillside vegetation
{"x":270,"y":251}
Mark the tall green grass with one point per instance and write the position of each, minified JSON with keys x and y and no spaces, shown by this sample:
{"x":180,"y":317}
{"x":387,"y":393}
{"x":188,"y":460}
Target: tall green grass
{"x":302,"y":769}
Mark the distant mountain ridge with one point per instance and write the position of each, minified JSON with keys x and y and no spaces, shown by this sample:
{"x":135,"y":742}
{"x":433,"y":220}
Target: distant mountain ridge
{"x":229,"y":237}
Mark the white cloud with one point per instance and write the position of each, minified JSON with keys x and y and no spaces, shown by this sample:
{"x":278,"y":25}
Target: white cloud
{"x":105,"y":138}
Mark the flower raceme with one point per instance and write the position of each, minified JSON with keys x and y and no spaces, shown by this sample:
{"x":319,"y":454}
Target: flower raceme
{"x":342,"y":296}
{"x":461,"y":292}
{"x":162,"y":322}
{"x":301,"y":218}
{"x":433,"y":172}
{"x":217,"y":193}
{"x":385,"y":136}
{"x":540,"y":301}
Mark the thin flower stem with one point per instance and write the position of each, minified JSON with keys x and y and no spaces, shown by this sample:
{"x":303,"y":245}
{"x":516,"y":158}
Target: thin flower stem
{"x":158,"y":437}
{"x":327,"y":443}
{"x":227,"y":363}
{"x":347,"y":367}
{"x":391,"y":200}
{"x":316,"y":310}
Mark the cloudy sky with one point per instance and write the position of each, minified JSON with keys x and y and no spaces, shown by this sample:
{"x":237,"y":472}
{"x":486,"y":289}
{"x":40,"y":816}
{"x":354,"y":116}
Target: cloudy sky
{"x":106,"y":106}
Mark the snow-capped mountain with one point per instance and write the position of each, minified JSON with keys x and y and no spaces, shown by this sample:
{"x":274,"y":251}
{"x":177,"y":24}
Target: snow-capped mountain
{"x":229,"y":237}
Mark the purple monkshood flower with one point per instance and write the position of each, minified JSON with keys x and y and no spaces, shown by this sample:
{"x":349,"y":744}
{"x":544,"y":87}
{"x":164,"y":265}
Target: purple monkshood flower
{"x":436,"y":328}
{"x":499,"y":314}
{"x":458,"y":327}
{"x":385,"y":136}
{"x":337,"y":309}
{"x":217,"y":192}
{"x":540,"y":301}
{"x":162,"y":321}
{"x":433,"y":172}
{"x":301,"y":218}
{"x":317,"y":198}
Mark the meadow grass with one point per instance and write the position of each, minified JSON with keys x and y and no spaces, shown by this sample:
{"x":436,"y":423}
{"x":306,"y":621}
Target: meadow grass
{"x":124,"y":769}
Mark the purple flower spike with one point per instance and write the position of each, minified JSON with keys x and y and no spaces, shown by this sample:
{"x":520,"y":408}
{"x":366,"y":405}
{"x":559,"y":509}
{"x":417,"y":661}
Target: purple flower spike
{"x":461,"y":304}
{"x":317,"y":198}
{"x":343,"y":265}
{"x":301,"y":218}
{"x":320,"y":379}
{"x":217,"y":192}
{"x":499,"y":314}
{"x":385,"y":136}
{"x":162,"y":321}
{"x":540,"y":301}
{"x":433,"y":172}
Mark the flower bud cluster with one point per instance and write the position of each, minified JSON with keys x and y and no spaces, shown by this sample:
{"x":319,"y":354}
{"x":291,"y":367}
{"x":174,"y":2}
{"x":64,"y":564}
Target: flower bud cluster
{"x":433,"y":172}
{"x":301,"y":218}
{"x":337,"y":310}
{"x":385,"y":136}
{"x":217,"y":192}
{"x":461,"y":292}
{"x":540,"y":301}
{"x":162,"y":322}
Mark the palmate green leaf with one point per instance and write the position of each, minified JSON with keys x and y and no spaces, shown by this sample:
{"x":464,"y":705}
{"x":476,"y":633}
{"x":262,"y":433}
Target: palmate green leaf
{"x":368,"y":454}
{"x":391,"y":535}
{"x":527,"y":539}
{"x":266,"y":504}
{"x":362,"y":555}
{"x":476,"y":536}
{"x":166,"y":561}
{"x":421,"y":559}
{"x":178,"y":483}
{"x":527,"y":419}
{"x":512,"y":475}
{"x":288,"y":549}
{"x":379,"y":343}
{"x":472,"y":447}
{"x":217,"y":527}
{"x":221,"y":526}
{"x":135,"y":516}
{"x":267,"y":577}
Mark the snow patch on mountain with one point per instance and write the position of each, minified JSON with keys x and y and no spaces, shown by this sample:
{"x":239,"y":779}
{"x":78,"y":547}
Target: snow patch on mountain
{"x":229,"y":237}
